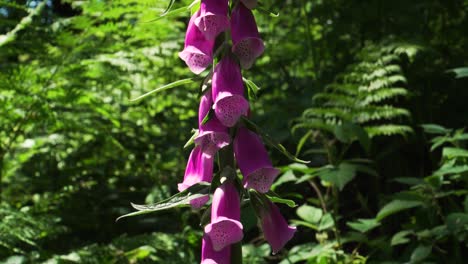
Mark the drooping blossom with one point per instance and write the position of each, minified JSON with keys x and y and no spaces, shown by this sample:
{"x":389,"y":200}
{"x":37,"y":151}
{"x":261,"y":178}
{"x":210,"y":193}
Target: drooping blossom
{"x":211,"y":256}
{"x":228,"y":92}
{"x":199,"y":169}
{"x":212,"y":135}
{"x":276,"y":230}
{"x":247,"y":44}
{"x":198,"y":51}
{"x":225,"y":227}
{"x":213,"y":17}
{"x":253,"y":161}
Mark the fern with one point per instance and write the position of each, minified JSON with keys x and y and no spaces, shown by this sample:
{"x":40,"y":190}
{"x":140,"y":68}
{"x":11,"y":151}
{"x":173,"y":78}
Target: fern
{"x":365,"y":93}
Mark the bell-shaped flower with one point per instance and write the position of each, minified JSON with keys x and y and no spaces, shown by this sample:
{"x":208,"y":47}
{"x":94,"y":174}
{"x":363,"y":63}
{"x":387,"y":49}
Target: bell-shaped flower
{"x":199,"y":169}
{"x":213,"y":17}
{"x":276,"y":230}
{"x":212,"y":135}
{"x":225,"y":227}
{"x":247,"y":44}
{"x":198,"y":51}
{"x":228,"y":92}
{"x":211,"y":256}
{"x":253,"y":161}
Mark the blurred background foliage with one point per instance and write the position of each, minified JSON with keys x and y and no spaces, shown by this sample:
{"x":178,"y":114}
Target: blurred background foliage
{"x":373,"y":92}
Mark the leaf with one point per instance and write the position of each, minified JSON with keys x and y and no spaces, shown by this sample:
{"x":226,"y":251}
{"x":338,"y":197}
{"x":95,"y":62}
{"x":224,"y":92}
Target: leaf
{"x":364,"y":225}
{"x":264,"y":11}
{"x":339,"y":176}
{"x":326,"y":222}
{"x":396,"y":206}
{"x":347,"y":132}
{"x":270,"y":141}
{"x":451,"y":153}
{"x":273,"y":197}
{"x":435,"y":129}
{"x":420,"y":253}
{"x":208,"y":116}
{"x":175,"y":12}
{"x":457,"y":222}
{"x":461,"y":72}
{"x":288,"y":176}
{"x":252,"y":88}
{"x":409,"y":180}
{"x":309,"y":213}
{"x":166,"y":87}
{"x":192,"y":139}
{"x":302,"y":141}
{"x":400,"y":238}
{"x":180,"y":199}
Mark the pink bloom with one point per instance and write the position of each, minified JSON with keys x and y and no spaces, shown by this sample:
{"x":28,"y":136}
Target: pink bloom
{"x":213,"y":17}
{"x":225,"y":227}
{"x":211,"y":256}
{"x":228,"y":92}
{"x":212,"y":135}
{"x":275,"y":228}
{"x":199,"y":169}
{"x":253,"y":161}
{"x":247,"y":42}
{"x":198,"y":51}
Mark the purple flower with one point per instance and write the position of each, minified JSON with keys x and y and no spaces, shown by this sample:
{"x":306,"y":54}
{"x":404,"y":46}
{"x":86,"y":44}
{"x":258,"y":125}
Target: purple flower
{"x":198,"y":51}
{"x":212,"y":135}
{"x":211,"y":256}
{"x":253,"y":161}
{"x":225,"y":227}
{"x":213,"y":17}
{"x":275,"y":228}
{"x":228,"y":92}
{"x":247,"y":42}
{"x":199,"y":169}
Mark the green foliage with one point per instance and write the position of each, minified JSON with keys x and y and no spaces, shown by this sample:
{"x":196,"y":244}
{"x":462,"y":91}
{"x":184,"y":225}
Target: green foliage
{"x":365,"y":94}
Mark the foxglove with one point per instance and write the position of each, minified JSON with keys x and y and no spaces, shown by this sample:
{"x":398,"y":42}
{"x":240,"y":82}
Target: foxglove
{"x":212,"y":135}
{"x":199,"y":169}
{"x":198,"y":51}
{"x":211,"y":256}
{"x":253,"y":161}
{"x":276,"y":230}
{"x":225,"y":227}
{"x":213,"y":17}
{"x":247,"y":44}
{"x":228,"y":92}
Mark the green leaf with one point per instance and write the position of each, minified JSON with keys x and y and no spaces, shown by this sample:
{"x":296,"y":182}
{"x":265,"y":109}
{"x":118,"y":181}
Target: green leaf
{"x":191,"y":141}
{"x":326,"y":222}
{"x":310,"y":214}
{"x":273,"y":197}
{"x":457,"y":222}
{"x":180,"y":199}
{"x":175,"y":12}
{"x":264,"y":11}
{"x":364,"y":225}
{"x":347,"y":132}
{"x":435,"y":129}
{"x":166,"y":87}
{"x":409,"y":180}
{"x":270,"y":141}
{"x":208,"y":116}
{"x":451,"y":153}
{"x":401,"y":238}
{"x":461,"y":72}
{"x":338,"y":176}
{"x":288,"y":176}
{"x":252,"y":88}
{"x":396,"y":206}
{"x":420,"y":253}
